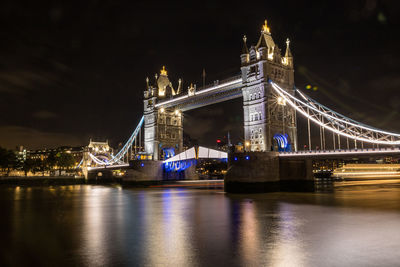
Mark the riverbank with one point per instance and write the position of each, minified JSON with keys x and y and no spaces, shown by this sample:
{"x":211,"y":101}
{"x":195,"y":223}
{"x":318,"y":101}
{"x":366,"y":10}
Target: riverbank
{"x":42,"y":180}
{"x":68,"y":180}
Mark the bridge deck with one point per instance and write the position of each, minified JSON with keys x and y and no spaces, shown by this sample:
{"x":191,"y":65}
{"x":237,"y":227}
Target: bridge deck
{"x":342,"y":152}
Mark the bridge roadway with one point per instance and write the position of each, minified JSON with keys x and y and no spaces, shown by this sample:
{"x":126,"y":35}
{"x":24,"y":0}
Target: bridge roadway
{"x":310,"y":154}
{"x":342,"y":153}
{"x":220,"y":91}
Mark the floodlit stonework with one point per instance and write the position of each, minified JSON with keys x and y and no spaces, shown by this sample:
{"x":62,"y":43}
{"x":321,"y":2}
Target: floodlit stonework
{"x":266,"y":114}
{"x":163,"y":127}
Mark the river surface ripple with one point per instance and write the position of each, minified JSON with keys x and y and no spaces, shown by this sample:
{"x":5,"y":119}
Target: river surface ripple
{"x":84,"y":225}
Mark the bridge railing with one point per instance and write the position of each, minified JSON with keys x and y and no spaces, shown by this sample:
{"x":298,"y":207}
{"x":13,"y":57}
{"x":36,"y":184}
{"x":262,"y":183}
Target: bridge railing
{"x":218,"y":82}
{"x":342,"y":151}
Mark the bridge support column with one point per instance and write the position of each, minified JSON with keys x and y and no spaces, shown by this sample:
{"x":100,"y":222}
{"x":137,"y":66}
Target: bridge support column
{"x":259,"y":172}
{"x":144,"y":171}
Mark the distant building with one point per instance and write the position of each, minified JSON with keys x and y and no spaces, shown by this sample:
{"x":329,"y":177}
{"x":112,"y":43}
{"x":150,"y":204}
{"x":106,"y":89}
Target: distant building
{"x":42,"y":154}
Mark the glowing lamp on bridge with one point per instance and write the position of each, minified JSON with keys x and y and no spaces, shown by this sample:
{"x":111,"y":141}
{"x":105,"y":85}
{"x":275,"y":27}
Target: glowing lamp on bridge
{"x":177,"y":112}
{"x":281,"y":101}
{"x":162,"y":110}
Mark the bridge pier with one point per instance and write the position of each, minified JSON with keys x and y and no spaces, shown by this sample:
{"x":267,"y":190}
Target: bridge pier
{"x":259,"y":172}
{"x":146,"y":170}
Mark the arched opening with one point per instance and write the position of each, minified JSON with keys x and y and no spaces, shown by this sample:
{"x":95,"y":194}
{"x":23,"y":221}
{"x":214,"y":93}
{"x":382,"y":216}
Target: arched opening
{"x":281,"y":143}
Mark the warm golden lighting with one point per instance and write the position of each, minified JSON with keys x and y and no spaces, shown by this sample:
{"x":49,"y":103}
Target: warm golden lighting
{"x":163,"y":71}
{"x":177,"y":112}
{"x":162,"y":110}
{"x":247,"y":143}
{"x":265,"y":27}
{"x":367,"y":171}
{"x":281,"y":101}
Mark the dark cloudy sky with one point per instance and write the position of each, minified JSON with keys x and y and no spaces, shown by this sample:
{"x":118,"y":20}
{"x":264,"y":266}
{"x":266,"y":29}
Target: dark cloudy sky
{"x":71,"y":70}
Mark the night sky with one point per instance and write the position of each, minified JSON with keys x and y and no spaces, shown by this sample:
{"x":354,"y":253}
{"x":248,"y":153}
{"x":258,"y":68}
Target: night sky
{"x":74,"y":70}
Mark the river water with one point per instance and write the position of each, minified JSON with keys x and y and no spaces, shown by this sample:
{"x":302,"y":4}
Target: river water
{"x":356,"y":225}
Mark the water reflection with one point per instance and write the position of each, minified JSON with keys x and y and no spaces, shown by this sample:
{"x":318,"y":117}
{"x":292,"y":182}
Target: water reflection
{"x":250,"y":234}
{"x":107,"y":226}
{"x":288,"y":248}
{"x":95,"y":242}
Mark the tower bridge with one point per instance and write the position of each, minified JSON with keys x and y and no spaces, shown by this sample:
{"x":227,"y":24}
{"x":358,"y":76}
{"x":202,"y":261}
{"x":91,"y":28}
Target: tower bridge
{"x":271,"y":104}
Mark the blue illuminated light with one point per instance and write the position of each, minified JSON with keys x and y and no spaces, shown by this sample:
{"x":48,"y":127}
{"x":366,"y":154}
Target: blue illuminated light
{"x":283,"y":143}
{"x":177,"y":166}
{"x":142,"y":164}
{"x":247,"y":157}
{"x":236,"y":158}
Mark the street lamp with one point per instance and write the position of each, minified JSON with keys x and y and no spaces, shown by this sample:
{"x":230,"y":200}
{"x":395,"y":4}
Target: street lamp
{"x":246,"y":144}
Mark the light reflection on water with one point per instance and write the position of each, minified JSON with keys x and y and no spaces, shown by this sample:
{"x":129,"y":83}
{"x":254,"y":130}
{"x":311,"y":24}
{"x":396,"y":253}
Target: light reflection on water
{"x":357,"y":225}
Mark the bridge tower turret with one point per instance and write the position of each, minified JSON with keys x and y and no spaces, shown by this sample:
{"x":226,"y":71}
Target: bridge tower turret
{"x":267,"y":118}
{"x":163,"y":127}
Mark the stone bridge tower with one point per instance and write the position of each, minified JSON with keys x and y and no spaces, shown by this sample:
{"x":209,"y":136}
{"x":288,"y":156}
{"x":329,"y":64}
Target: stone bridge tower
{"x":163,"y":127}
{"x":267,"y":118}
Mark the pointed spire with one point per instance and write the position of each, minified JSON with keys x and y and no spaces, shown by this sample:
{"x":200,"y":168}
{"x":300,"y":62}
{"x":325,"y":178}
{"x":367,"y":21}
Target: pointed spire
{"x":178,"y":91}
{"x":265,"y":28}
{"x":244,"y":49}
{"x":288,"y":53}
{"x":265,"y":38}
{"x":163,"y":71}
